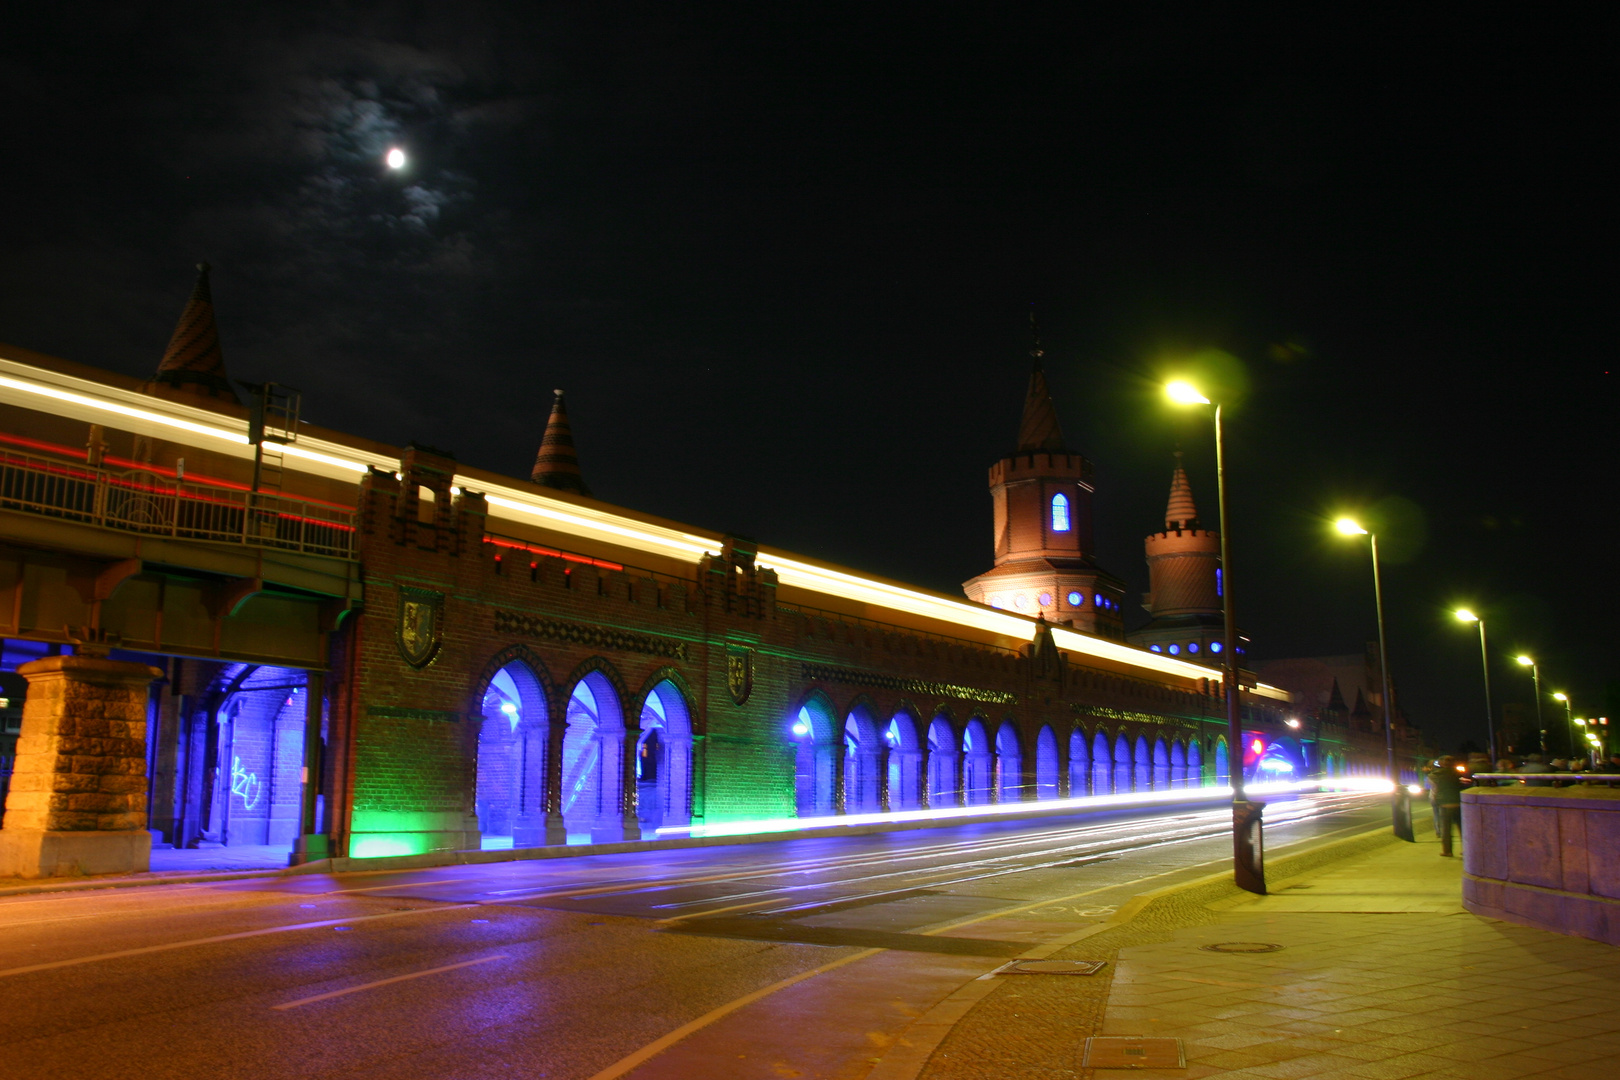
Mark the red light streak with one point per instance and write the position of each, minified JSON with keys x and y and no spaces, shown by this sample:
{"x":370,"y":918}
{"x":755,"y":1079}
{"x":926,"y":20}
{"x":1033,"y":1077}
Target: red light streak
{"x":553,"y":553}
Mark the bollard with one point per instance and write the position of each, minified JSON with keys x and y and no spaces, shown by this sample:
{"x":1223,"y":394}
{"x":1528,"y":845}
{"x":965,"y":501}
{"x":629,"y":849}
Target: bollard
{"x":1401,"y":811}
{"x":1248,"y":847}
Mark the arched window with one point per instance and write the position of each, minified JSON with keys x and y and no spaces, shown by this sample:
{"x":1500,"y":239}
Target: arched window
{"x":1060,"y":513}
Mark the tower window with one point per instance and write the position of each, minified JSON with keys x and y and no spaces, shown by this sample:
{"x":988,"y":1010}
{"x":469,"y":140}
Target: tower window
{"x":1076,"y":598}
{"x":1219,"y":590}
{"x":1060,"y":513}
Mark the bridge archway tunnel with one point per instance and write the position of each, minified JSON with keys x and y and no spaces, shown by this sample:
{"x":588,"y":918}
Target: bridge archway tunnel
{"x":243,"y":780}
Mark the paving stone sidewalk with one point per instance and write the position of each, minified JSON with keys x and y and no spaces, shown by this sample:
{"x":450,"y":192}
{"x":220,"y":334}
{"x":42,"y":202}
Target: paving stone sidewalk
{"x":1381,"y":976}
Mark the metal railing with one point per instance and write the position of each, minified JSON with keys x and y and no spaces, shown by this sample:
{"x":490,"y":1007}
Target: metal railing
{"x":1545,"y":779}
{"x":154,"y":505}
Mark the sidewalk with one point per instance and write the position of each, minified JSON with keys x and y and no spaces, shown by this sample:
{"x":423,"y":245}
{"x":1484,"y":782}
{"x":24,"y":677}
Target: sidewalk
{"x":1380,"y":975}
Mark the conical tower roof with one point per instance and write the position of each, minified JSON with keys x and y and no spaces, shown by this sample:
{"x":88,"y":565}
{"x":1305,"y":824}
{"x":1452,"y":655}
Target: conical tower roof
{"x":1181,"y":513}
{"x":557,"y":465}
{"x":194,"y":361}
{"x":1039,"y":429}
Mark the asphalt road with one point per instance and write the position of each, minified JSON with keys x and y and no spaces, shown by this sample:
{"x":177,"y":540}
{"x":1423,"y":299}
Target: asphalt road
{"x":567,"y":967}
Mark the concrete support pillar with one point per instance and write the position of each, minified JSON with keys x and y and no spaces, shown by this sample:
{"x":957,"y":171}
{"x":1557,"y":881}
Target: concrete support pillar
{"x":78,"y":793}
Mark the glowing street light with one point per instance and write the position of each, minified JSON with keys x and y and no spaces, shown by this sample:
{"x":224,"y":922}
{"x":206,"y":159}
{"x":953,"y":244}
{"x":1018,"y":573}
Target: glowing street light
{"x":1535,"y":674}
{"x":1248,"y":869}
{"x":1400,"y":806}
{"x":1464,"y":615}
{"x":1184,"y":393}
{"x":1569,"y":714}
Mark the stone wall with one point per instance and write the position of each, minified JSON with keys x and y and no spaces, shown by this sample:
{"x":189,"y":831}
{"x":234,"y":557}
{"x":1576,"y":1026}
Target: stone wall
{"x":1544,"y":857}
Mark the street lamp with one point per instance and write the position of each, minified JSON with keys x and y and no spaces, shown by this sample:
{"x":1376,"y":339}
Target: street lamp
{"x":1400,"y":807}
{"x":1248,"y":868}
{"x":1569,"y":715}
{"x":1464,"y":615}
{"x":1535,"y":674}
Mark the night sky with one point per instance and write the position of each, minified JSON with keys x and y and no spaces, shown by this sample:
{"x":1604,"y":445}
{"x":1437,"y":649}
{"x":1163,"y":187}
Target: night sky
{"x":781,"y":257}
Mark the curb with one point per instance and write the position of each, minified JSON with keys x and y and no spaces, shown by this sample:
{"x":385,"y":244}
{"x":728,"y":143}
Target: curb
{"x":913,"y":1048}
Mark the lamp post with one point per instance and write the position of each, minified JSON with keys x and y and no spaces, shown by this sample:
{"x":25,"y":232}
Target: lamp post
{"x":1569,"y":715}
{"x":1535,"y":674}
{"x":1248,"y":864}
{"x":1464,"y":615}
{"x":1400,"y":806}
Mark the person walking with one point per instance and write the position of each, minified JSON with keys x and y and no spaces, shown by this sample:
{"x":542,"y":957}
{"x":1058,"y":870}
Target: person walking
{"x":1445,"y":786}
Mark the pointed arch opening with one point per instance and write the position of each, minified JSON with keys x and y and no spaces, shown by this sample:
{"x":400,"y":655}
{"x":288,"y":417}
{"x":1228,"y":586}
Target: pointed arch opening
{"x":509,"y":793}
{"x":1161,"y":764}
{"x":904,"y":752}
{"x":1079,"y":764}
{"x":1178,"y":764}
{"x":815,"y":740}
{"x":863,"y":749}
{"x":1142,"y":775}
{"x":1009,"y":764}
{"x":1046,"y":764}
{"x":978,"y":764}
{"x":1195,"y":764}
{"x":1122,"y":764}
{"x":1102,"y":764}
{"x":1223,"y":769}
{"x":663,"y":764}
{"x":592,"y":785}
{"x":944,"y":773}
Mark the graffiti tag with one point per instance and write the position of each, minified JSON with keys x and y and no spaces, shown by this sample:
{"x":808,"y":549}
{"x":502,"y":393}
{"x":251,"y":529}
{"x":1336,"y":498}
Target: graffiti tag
{"x":245,"y":784}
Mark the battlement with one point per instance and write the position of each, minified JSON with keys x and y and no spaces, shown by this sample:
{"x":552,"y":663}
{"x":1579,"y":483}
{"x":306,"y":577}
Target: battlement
{"x":1042,"y":464}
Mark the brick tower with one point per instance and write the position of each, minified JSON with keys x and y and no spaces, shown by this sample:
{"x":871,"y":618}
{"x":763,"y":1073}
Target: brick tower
{"x":1041,"y":494}
{"x":1184,"y":573}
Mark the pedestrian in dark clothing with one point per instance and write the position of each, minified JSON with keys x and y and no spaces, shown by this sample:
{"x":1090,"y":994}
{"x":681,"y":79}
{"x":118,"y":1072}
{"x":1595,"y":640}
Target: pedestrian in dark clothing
{"x":1446,"y":786}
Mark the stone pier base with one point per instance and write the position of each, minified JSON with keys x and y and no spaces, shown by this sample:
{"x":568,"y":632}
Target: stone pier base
{"x":77,"y":803}
{"x":68,"y":853}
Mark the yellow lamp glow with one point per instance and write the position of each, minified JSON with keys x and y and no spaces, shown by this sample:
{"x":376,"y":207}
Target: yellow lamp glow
{"x":1464,"y":615}
{"x":1184,"y":393}
{"x":1524,"y":661}
{"x":1349,"y":527}
{"x":1559,"y":695}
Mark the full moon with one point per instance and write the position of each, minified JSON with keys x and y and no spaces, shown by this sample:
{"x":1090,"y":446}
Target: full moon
{"x":396,"y":158}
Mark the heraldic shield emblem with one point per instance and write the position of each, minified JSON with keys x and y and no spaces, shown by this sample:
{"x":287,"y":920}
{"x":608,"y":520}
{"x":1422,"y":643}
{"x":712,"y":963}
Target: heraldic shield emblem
{"x":420,"y":627}
{"x":740,"y":673}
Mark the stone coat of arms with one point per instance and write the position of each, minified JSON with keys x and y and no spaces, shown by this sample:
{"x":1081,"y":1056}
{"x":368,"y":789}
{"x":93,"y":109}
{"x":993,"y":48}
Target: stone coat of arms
{"x":740,"y":673}
{"x":420,"y":628}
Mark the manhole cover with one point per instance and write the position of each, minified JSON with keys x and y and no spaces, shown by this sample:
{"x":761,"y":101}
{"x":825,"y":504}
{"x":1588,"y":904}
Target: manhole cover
{"x":1241,"y":946}
{"x":1121,"y":1052}
{"x":1051,"y":967}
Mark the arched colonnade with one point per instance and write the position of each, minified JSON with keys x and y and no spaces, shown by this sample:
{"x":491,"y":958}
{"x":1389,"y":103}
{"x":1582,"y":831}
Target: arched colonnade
{"x":859,"y":760}
{"x":582,"y":757}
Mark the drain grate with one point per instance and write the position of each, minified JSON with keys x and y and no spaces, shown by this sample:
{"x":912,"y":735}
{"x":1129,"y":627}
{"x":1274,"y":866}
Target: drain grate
{"x":1241,"y":947}
{"x":1121,"y":1052}
{"x":1051,"y":967}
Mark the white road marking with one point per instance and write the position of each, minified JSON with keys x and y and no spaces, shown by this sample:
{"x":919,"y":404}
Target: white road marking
{"x":146,"y":949}
{"x":386,"y":982}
